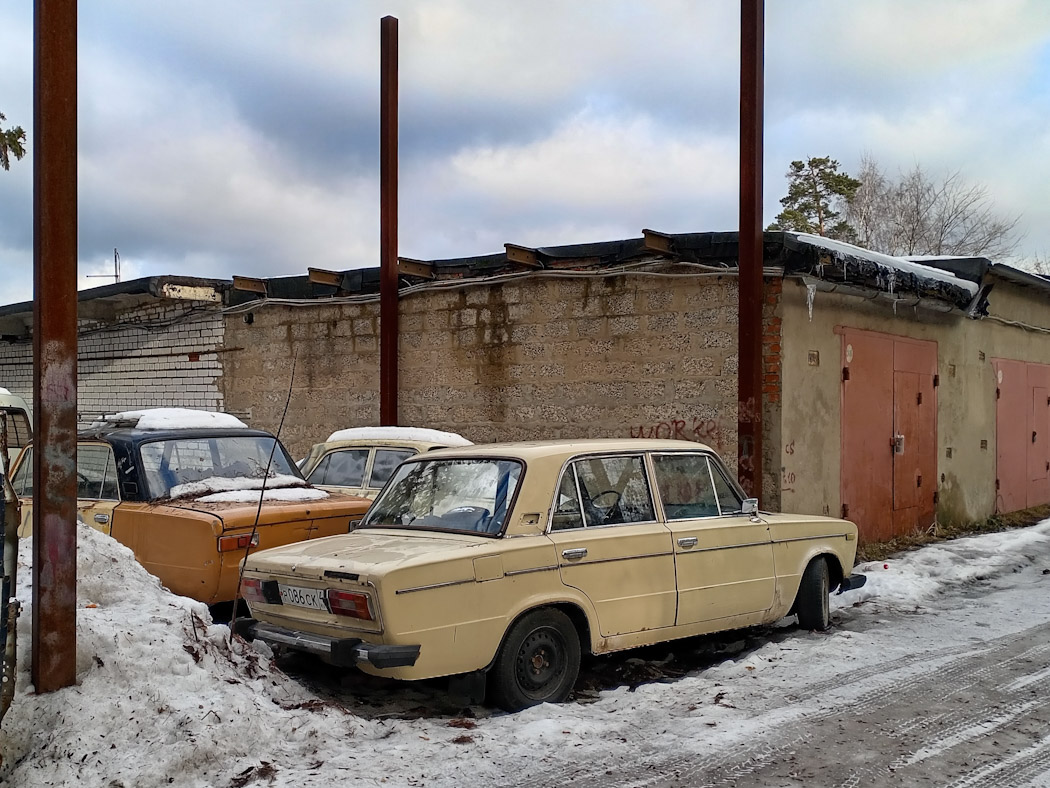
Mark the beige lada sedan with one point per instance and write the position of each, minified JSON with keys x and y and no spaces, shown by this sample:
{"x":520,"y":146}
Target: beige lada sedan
{"x":500,"y":564}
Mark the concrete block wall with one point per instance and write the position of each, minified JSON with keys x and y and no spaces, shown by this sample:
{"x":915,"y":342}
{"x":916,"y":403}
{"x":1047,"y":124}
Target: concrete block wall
{"x":160,"y":354}
{"x":534,"y":358}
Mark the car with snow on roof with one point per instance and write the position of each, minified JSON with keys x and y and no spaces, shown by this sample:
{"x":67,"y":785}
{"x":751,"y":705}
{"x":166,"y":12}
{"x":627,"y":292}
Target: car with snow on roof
{"x":182,"y":489}
{"x":502,"y":563}
{"x":360,"y":460}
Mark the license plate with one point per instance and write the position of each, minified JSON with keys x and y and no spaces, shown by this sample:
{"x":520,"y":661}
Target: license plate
{"x":312,"y":598}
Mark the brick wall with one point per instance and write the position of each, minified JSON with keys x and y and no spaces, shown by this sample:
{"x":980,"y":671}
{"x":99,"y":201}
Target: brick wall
{"x":161,"y":354}
{"x":534,"y":358}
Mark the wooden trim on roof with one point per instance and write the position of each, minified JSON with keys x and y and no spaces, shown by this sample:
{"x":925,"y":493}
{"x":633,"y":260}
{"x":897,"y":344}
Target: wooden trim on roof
{"x":523,"y":255}
{"x":420,"y":268}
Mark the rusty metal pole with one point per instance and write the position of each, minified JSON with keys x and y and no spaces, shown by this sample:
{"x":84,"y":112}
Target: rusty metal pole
{"x":749,"y":377}
{"x":54,"y":345}
{"x":388,"y":312}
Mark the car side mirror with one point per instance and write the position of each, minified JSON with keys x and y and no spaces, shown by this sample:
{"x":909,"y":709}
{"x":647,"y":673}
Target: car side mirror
{"x":749,"y":506}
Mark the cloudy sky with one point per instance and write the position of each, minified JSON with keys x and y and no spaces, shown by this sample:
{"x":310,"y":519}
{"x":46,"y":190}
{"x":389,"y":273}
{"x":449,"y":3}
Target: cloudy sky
{"x":243,"y":137}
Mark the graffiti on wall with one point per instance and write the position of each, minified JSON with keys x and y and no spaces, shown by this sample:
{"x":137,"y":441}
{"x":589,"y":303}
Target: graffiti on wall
{"x":702,"y":430}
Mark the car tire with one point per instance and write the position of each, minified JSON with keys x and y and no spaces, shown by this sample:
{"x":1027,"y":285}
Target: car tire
{"x":813,"y":605}
{"x":537,"y":663}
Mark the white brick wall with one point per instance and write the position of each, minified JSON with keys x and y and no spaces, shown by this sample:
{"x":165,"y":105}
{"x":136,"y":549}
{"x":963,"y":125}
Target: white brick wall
{"x":162,"y":354}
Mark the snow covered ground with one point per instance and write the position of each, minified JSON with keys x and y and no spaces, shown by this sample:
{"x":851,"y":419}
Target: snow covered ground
{"x":163,"y":697}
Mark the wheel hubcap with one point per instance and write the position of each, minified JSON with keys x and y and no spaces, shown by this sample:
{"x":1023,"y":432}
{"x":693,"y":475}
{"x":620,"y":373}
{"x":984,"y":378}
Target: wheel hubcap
{"x":540,"y":665}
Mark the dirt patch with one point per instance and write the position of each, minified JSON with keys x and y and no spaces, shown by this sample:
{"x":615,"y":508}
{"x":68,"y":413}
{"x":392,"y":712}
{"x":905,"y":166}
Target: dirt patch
{"x":880,"y":551}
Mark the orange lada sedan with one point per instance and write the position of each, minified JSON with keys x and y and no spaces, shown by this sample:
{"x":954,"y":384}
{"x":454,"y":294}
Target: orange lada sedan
{"x":185,"y":497}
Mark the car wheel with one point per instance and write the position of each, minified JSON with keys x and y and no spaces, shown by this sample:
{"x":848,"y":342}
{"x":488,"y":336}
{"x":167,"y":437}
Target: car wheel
{"x":537,"y":663}
{"x":813,"y":605}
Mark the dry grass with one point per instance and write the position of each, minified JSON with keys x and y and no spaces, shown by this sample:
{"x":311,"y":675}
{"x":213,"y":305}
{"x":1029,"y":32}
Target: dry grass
{"x":880,"y":551}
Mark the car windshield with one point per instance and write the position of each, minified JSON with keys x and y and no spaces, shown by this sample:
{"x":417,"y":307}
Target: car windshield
{"x":472,"y":496}
{"x":168,"y":464}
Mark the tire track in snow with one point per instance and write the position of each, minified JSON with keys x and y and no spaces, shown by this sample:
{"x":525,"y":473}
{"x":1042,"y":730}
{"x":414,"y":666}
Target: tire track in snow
{"x":941,"y":674}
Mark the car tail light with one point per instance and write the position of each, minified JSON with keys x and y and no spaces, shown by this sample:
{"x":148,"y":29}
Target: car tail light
{"x":238,"y":542}
{"x":252,"y":589}
{"x":350,"y":603}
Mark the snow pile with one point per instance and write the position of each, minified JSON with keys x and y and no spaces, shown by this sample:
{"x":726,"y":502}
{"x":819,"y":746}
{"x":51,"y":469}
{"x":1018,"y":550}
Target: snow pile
{"x":918,"y":576}
{"x":173,"y":419}
{"x":251,"y":496}
{"x":420,"y":434}
{"x":243,"y":489}
{"x":163,"y":697}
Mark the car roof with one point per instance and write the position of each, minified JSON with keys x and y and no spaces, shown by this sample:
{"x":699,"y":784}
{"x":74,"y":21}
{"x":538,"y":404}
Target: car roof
{"x":394,"y":443}
{"x":535,"y":450}
{"x":133,"y":435}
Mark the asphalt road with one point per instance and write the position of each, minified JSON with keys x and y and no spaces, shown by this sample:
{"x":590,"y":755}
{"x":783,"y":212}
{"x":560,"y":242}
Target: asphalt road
{"x":953,"y":703}
{"x":953,"y":693}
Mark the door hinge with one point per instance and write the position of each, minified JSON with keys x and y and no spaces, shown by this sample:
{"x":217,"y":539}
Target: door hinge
{"x":936,"y":381}
{"x":845,"y":511}
{"x":918,"y":398}
{"x":918,"y":481}
{"x":845,"y":373}
{"x":996,"y":484}
{"x":998,"y":393}
{"x":936,"y":497}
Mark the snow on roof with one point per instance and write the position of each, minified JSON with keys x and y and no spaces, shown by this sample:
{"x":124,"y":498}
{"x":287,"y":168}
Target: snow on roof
{"x":420,"y":434}
{"x":4,"y":392}
{"x":172,"y":419}
{"x":223,"y":484}
{"x":163,"y":697}
{"x":886,"y":261}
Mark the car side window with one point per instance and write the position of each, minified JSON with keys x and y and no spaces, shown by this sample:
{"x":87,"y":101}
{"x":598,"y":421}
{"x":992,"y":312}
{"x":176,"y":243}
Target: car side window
{"x":96,"y":473}
{"x":728,"y":498}
{"x":684,"y":482}
{"x":383,"y":465}
{"x":342,"y":468}
{"x":23,"y":478}
{"x":19,"y":432}
{"x":567,"y":512}
{"x":614,"y":490}
{"x":317,"y":474}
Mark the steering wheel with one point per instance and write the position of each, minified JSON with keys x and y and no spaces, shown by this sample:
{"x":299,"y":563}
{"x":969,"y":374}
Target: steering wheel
{"x":606,"y":507}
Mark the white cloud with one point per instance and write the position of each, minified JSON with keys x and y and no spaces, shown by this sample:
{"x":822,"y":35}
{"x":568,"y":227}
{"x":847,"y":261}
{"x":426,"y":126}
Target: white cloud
{"x":239,"y":137}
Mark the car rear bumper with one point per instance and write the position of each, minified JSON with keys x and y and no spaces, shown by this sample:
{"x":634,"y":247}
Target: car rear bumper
{"x":344,"y":652}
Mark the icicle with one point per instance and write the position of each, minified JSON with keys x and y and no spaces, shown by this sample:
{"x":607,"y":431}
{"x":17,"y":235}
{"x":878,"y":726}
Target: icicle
{"x":895,"y":307}
{"x":891,"y":280}
{"x":811,"y":292}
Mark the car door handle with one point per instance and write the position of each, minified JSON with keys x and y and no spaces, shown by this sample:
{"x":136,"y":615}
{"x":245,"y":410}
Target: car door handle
{"x":688,"y":541}
{"x":576,"y":552}
{"x":102,"y":518}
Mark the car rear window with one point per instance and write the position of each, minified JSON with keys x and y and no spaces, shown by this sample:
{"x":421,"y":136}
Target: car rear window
{"x":465,"y":495}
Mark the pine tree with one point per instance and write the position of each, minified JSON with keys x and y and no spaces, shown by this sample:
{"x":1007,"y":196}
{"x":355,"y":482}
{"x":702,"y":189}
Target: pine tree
{"x":12,"y":143}
{"x":815,"y":189}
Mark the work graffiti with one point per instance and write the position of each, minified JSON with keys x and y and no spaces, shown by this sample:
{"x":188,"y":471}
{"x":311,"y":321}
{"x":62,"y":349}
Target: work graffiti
{"x":702,"y":430}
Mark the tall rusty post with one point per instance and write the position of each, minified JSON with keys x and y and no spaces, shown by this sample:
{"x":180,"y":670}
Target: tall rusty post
{"x":54,"y":344}
{"x":749,"y":378}
{"x":388,"y":311}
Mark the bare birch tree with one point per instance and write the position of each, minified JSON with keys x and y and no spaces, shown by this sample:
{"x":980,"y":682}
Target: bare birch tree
{"x":918,"y":214}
